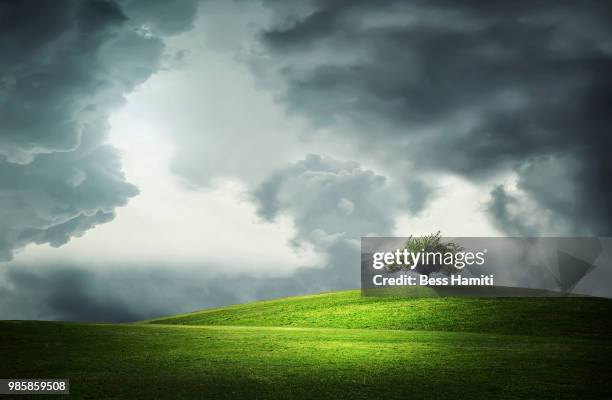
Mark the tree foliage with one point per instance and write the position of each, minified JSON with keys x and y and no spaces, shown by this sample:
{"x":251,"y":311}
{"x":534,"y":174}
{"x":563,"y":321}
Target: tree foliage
{"x":431,"y":243}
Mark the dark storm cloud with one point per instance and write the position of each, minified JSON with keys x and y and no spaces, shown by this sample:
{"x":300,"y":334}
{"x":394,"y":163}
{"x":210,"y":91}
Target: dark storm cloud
{"x":77,"y":293}
{"x":162,"y":16}
{"x":419,"y":194}
{"x":59,"y":195}
{"x":132,"y":293}
{"x":328,"y":197}
{"x":473,"y":88}
{"x":332,"y":203}
{"x":66,"y":65}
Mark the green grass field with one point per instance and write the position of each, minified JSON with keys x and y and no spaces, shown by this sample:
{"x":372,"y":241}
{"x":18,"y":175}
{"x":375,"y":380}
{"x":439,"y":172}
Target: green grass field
{"x":336,"y":345}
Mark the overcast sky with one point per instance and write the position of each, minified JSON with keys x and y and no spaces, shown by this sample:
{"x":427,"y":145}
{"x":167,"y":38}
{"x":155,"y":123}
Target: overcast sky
{"x":159,"y":157}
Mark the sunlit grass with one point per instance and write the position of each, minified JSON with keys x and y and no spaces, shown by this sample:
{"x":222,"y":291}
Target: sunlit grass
{"x":528,"y":316}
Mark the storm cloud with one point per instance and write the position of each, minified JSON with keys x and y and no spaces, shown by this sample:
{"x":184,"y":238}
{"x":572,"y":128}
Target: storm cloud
{"x":71,"y":292}
{"x":333,"y":203}
{"x":329,"y":196}
{"x":66,"y":65}
{"x":478,"y":89}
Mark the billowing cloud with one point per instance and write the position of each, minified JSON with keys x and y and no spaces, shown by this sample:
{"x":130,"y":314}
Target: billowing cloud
{"x":332,"y":203}
{"x":325,"y":196}
{"x":66,"y":65}
{"x":479,"y":90}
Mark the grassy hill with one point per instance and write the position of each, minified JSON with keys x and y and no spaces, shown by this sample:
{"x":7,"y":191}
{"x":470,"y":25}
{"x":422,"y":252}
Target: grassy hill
{"x":540,"y":316}
{"x":334,"y":345}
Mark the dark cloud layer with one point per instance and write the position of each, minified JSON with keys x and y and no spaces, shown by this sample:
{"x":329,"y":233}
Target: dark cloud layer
{"x":473,"y":88}
{"x":131,"y":293}
{"x":76,"y":293}
{"x":65,"y":66}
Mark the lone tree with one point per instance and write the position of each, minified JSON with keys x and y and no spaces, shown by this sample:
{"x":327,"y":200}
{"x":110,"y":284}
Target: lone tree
{"x":431,"y":243}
